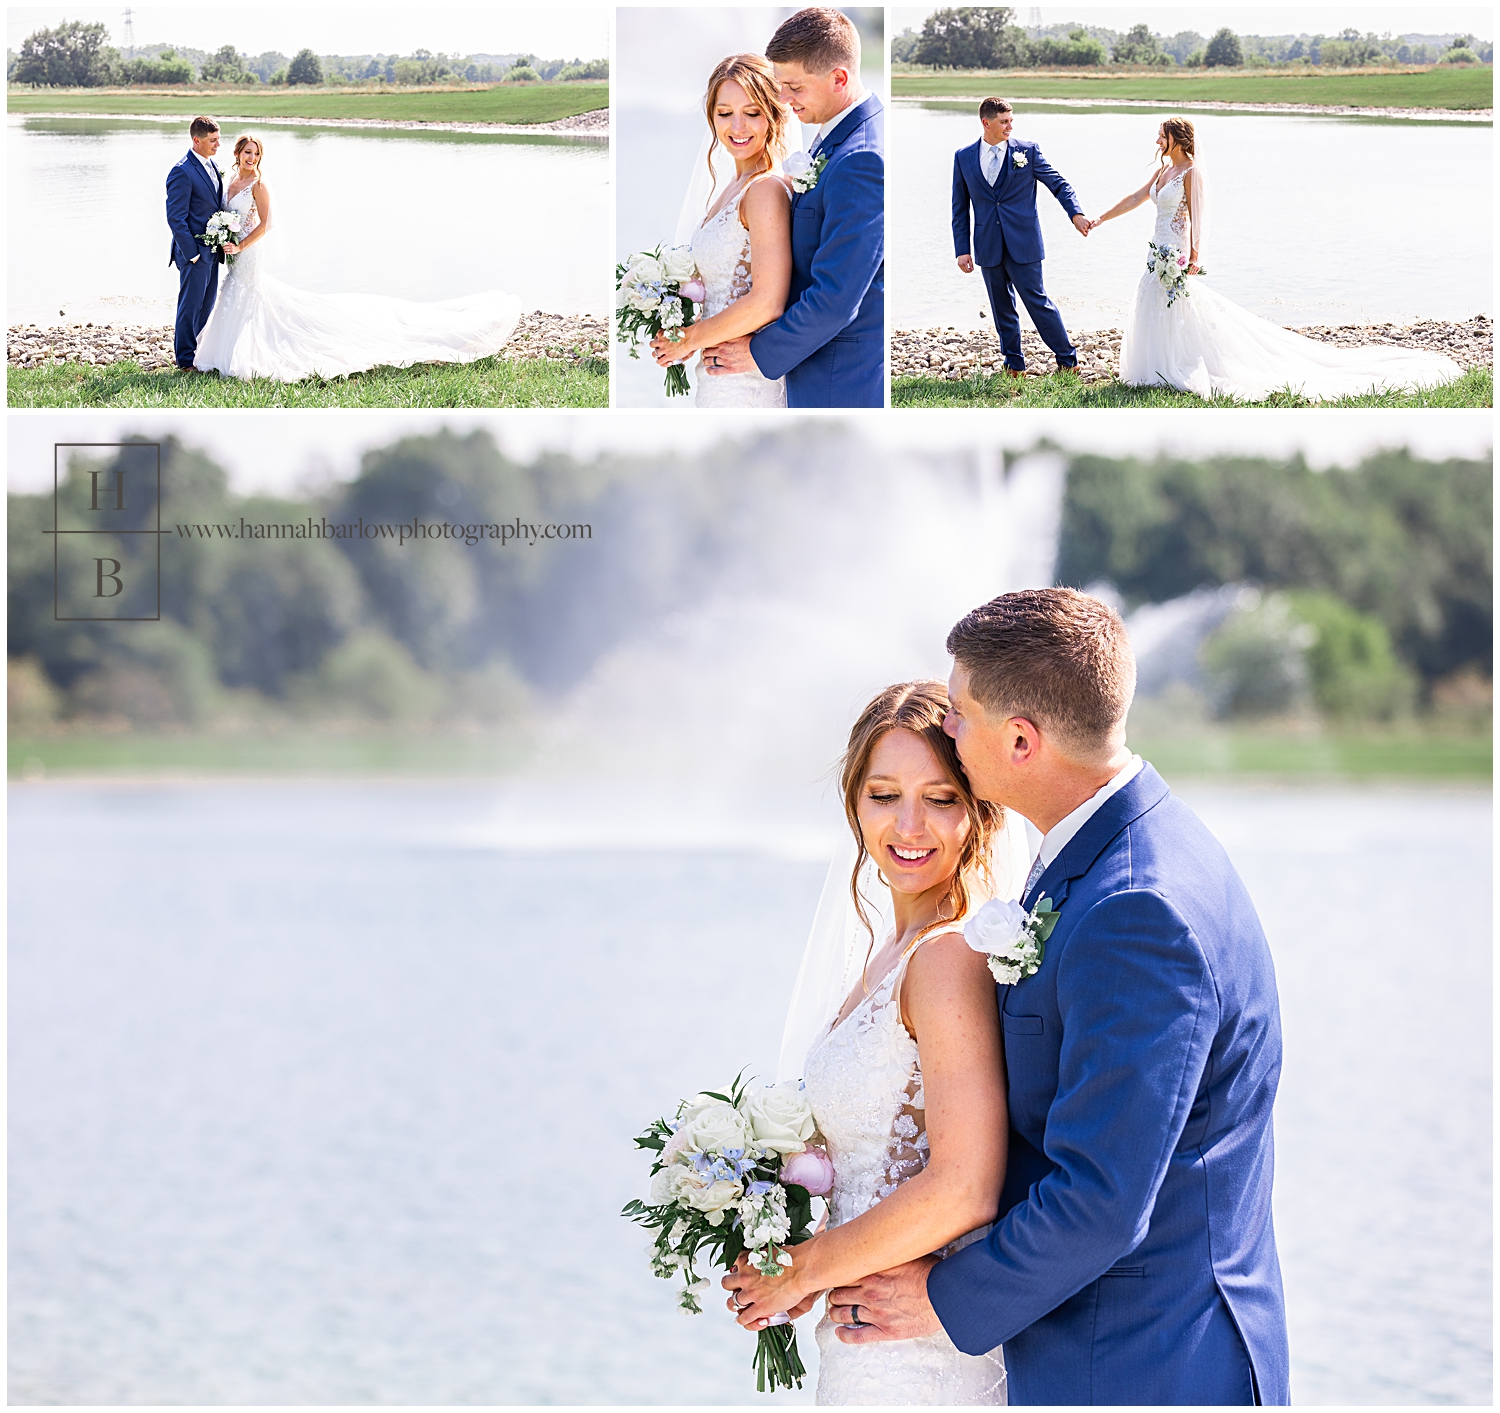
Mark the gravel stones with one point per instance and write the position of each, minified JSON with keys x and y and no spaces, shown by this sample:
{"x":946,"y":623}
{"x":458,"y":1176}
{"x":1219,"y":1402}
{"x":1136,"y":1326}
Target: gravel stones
{"x":559,"y":338}
{"x":956,"y":354}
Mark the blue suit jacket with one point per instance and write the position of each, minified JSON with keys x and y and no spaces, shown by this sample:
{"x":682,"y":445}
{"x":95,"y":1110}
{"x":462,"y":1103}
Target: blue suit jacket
{"x":1005,"y":220}
{"x":1135,"y":1261}
{"x":191,"y":199}
{"x":838,"y":254}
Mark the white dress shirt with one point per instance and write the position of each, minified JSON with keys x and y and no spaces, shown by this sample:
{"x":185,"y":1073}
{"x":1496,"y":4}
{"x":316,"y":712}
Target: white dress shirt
{"x":210,"y":167}
{"x":1056,"y":839}
{"x":994,"y":157}
{"x":825,"y":129}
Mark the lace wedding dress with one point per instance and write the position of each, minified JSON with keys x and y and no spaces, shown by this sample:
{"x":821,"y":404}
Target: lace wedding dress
{"x":864,"y":1082}
{"x":721,"y":246}
{"x":1204,"y":344}
{"x":261,"y":328}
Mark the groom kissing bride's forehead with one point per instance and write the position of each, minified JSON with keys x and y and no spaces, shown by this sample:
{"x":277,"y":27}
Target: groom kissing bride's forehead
{"x":1134,"y":1260}
{"x":1125,"y":1162}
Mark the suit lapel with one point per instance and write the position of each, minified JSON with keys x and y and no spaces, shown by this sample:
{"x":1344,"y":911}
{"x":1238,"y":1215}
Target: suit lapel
{"x":203,"y":176}
{"x":1146,"y":791}
{"x":1004,"y":166}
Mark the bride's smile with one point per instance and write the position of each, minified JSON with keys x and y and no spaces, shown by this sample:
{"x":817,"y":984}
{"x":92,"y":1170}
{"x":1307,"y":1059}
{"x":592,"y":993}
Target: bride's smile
{"x":742,"y":127}
{"x":912,"y":816}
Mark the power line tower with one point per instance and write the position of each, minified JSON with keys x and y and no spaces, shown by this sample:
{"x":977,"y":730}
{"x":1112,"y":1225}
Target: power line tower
{"x":1034,"y":26}
{"x":128,"y":36}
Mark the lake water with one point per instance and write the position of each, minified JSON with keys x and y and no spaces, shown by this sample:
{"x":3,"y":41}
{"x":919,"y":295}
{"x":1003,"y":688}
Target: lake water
{"x":421,"y":215}
{"x":1313,"y":220}
{"x":323,"y":1093}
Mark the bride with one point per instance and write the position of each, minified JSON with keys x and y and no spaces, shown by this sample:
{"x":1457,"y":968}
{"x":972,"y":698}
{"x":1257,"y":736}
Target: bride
{"x":743,"y":243}
{"x":261,"y":328}
{"x":1199,"y":342}
{"x":906,"y":1076}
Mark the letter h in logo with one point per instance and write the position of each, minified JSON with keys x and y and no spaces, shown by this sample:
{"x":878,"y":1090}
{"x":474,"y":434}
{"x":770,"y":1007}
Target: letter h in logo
{"x":106,"y":532}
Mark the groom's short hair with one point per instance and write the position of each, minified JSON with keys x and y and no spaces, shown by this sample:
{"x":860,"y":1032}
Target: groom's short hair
{"x":819,"y":39}
{"x":993,"y":108}
{"x":202,"y":127}
{"x":1057,"y":657}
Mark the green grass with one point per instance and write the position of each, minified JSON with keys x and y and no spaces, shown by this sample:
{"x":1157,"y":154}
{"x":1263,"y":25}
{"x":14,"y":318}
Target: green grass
{"x":541,"y":103}
{"x":487,"y":382}
{"x":1475,"y":389}
{"x":1410,"y":756}
{"x":300,"y":751}
{"x":1432,"y":88}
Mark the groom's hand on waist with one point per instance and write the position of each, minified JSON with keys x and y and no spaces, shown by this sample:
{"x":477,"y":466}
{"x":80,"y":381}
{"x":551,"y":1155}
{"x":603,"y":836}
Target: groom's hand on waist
{"x":888,"y":1305}
{"x":731,"y":357}
{"x":966,"y":264}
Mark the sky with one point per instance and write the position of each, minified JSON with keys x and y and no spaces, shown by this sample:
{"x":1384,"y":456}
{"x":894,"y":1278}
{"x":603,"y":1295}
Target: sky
{"x":1248,"y":19}
{"x":281,"y":452}
{"x":552,"y":32}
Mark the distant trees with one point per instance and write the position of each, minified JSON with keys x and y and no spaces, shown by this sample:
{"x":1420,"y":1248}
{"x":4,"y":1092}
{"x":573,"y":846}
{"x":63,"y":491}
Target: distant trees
{"x":304,"y":68}
{"x":1223,"y":51}
{"x":1403,"y":542}
{"x":164,"y":68}
{"x":1079,"y":51}
{"x":227,"y":65}
{"x":972,"y":37}
{"x":74,"y":55}
{"x":1140,"y":46}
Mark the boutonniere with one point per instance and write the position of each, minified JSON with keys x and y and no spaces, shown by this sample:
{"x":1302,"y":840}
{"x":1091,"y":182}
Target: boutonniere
{"x":1018,"y":159}
{"x":1013,"y":939}
{"x":803,"y":171}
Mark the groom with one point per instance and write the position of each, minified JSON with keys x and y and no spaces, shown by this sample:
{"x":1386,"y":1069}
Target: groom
{"x":195,"y":190}
{"x":997,"y":178}
{"x":830,"y":342}
{"x":1133,"y":1260}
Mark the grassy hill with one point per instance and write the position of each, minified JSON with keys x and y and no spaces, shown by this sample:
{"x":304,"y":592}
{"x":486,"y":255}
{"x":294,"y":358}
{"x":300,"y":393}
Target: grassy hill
{"x":1466,"y":89}
{"x":494,"y":103}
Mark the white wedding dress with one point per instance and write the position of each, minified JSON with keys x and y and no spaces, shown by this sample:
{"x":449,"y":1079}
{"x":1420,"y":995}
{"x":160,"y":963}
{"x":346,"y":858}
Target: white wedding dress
{"x":1204,"y":344}
{"x":262,"y":328}
{"x":864,"y":1082}
{"x":721,"y":246}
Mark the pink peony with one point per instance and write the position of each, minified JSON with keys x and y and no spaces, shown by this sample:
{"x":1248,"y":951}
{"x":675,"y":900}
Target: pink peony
{"x":812,"y":1169}
{"x":675,"y":1144}
{"x":694,"y":290}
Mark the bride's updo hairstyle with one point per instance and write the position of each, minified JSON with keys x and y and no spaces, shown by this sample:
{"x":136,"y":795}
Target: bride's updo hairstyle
{"x":755,"y":75}
{"x":918,"y":707}
{"x":240,"y":144}
{"x":1180,"y":131}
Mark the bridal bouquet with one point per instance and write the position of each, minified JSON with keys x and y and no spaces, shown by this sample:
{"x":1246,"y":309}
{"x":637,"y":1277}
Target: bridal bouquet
{"x":655,"y":291}
{"x":734,"y":1173}
{"x":1171,"y":268}
{"x":224,"y":228}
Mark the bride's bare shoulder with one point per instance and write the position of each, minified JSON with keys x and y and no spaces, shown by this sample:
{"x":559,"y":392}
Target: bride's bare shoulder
{"x":766,"y":196}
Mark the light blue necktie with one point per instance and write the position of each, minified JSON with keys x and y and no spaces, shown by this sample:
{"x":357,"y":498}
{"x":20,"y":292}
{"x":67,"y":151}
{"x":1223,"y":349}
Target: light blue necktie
{"x":992,"y":163}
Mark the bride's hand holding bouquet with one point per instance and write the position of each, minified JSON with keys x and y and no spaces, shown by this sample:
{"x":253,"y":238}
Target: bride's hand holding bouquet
{"x":655,"y":296}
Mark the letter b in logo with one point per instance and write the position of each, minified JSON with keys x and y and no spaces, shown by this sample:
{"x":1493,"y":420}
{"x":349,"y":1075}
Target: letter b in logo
{"x":106,"y":532}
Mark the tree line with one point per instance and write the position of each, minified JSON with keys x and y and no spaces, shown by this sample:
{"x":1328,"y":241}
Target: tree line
{"x":987,"y":37}
{"x":1375,"y":582}
{"x":78,"y":55}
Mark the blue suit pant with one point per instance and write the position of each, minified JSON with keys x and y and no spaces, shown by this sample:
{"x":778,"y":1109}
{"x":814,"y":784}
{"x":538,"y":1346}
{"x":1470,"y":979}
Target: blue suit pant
{"x":1004,"y":282}
{"x":198,"y":287}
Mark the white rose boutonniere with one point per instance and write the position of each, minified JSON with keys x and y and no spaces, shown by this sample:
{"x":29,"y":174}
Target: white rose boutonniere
{"x":1013,"y":939}
{"x":1019,"y":159}
{"x":803,"y":171}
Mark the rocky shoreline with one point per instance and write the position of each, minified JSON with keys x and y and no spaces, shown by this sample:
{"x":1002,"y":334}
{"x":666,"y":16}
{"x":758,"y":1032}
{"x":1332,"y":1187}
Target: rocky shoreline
{"x":559,"y":338}
{"x":955,"y":354}
{"x":594,"y":123}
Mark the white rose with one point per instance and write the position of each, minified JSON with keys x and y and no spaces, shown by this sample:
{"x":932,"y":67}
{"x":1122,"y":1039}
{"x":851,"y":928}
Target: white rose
{"x":678,"y":263}
{"x":710,"y":1198}
{"x":780,"y":1118}
{"x":797,"y":165}
{"x":996,"y":927}
{"x":713,"y":1128}
{"x":643,"y":301}
{"x":645,"y":270}
{"x":664,"y":1186}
